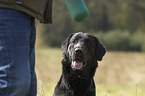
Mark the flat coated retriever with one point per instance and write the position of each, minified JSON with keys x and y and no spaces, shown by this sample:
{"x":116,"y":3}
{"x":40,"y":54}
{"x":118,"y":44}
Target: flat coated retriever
{"x":81,"y":51}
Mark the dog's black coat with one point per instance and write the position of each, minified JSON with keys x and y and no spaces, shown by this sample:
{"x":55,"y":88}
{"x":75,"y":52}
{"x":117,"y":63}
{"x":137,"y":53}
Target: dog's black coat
{"x":81,"y":51}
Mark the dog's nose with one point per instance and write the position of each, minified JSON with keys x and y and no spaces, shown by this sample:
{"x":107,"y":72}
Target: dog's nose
{"x":79,"y":50}
{"x":78,"y":54}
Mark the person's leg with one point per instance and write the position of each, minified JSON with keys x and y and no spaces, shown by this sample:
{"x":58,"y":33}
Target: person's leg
{"x":15,"y":35}
{"x":33,"y":86}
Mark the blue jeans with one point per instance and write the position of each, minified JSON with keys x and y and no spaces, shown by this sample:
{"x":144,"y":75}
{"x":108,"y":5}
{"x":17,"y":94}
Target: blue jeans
{"x":17,"y":54}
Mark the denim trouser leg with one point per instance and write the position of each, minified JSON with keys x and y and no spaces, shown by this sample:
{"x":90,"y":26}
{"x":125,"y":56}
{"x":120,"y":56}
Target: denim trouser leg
{"x":33,"y":85}
{"x":17,"y":54}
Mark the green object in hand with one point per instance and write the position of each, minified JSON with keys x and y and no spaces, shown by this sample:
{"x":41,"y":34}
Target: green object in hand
{"x":77,"y":9}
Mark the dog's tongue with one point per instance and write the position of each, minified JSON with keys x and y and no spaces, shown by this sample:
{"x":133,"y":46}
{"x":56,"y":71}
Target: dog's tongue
{"x":77,"y":65}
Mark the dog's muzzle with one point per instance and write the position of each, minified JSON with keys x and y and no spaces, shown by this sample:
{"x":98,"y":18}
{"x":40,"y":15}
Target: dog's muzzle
{"x":78,"y":59}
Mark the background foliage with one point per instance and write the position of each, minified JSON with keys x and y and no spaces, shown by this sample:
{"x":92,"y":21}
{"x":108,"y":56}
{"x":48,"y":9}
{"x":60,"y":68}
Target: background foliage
{"x":121,"y":22}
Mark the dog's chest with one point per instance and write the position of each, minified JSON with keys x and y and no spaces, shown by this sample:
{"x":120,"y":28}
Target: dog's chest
{"x":78,"y":86}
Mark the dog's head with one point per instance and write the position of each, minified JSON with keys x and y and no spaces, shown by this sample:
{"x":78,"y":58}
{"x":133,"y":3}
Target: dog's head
{"x":82,"y":49}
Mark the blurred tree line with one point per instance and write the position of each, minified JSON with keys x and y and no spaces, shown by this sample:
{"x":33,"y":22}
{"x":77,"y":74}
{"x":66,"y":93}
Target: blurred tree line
{"x":104,"y":16}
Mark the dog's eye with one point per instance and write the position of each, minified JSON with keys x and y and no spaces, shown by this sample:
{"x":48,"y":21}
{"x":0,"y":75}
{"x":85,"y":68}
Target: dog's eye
{"x":88,"y":44}
{"x":73,"y":41}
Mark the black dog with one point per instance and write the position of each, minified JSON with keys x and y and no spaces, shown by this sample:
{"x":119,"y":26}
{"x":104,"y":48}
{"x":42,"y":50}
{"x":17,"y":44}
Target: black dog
{"x":81,"y":51}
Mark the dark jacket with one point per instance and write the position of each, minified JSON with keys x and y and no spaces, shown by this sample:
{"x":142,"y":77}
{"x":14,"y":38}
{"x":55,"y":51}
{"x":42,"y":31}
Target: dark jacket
{"x":40,"y":9}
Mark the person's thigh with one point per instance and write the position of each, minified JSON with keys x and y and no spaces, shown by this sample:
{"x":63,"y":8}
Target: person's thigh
{"x":15,"y":31}
{"x":33,"y":85}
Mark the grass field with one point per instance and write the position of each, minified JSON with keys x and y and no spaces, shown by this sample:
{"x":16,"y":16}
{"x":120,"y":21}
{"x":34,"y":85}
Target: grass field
{"x":119,"y":74}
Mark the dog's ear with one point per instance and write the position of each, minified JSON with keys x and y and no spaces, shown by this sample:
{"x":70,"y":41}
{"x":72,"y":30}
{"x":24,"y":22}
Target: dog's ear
{"x":100,"y":49}
{"x":65,"y":45}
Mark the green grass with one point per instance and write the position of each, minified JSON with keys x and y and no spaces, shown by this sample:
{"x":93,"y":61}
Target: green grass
{"x":120,"y":90}
{"x":117,"y":75}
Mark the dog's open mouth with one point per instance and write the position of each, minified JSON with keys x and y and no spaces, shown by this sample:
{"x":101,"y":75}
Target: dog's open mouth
{"x":76,"y":65}
{"x":78,"y":60}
